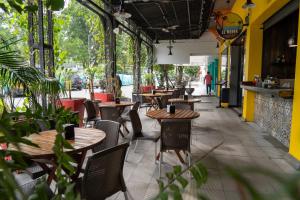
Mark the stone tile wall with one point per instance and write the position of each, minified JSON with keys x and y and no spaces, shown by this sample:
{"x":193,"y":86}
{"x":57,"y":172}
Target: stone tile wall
{"x":274,"y":114}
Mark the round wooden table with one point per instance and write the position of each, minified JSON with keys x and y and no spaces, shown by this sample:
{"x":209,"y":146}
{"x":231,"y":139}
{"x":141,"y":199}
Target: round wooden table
{"x":186,"y":101}
{"x":152,"y":99}
{"x":179,"y":114}
{"x":114,"y":104}
{"x":164,"y":91}
{"x":85,"y":139}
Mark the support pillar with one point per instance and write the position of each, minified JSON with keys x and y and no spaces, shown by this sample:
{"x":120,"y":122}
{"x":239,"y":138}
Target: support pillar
{"x":110,"y":51}
{"x":295,"y":130}
{"x":137,"y":64}
{"x":254,"y":46}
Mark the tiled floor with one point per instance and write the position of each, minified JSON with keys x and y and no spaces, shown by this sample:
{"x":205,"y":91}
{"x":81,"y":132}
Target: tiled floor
{"x":243,"y":145}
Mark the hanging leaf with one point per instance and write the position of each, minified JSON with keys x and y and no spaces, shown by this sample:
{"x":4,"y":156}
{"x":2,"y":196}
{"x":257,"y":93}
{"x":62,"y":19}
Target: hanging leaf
{"x":55,"y":5}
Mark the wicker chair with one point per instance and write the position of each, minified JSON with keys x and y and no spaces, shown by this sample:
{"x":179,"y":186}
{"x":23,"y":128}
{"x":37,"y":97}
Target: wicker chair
{"x":103,"y":175}
{"x":111,"y":129}
{"x":183,"y":106}
{"x":175,"y":135}
{"x":112,"y":114}
{"x":30,"y":187}
{"x":159,"y":103}
{"x":125,"y":115}
{"x":176,"y":94}
{"x":91,"y":112}
{"x":138,"y":133}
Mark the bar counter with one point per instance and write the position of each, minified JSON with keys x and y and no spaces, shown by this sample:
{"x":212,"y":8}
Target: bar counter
{"x":272,"y":112}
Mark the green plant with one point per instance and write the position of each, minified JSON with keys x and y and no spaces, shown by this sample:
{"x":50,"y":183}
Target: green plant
{"x":9,"y":188}
{"x":148,"y":79}
{"x":15,"y":73}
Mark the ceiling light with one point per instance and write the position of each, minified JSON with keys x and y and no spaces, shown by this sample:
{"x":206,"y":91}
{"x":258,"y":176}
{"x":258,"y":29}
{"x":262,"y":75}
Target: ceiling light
{"x":249,"y":4}
{"x":292,"y":42}
{"x":170,"y":52}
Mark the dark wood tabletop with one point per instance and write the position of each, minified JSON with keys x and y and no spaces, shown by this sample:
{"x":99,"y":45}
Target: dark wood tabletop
{"x":155,"y":95}
{"x":179,"y":114}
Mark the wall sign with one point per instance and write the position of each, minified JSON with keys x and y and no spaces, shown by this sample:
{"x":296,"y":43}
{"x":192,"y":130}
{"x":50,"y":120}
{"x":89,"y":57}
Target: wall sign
{"x":229,"y":25}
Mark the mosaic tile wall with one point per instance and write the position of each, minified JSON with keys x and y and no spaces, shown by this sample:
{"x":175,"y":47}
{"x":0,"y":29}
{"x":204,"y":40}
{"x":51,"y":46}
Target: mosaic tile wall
{"x":274,"y":115}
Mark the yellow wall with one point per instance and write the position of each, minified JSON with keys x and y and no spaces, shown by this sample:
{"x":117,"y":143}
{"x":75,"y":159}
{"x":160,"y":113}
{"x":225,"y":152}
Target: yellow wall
{"x":295,"y":132}
{"x":253,"y":62}
{"x":254,"y":44}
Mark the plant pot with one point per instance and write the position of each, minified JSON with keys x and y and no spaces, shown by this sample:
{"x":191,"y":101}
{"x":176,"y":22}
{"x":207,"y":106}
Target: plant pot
{"x":147,"y":88}
{"x":103,"y":97}
{"x":75,"y":104}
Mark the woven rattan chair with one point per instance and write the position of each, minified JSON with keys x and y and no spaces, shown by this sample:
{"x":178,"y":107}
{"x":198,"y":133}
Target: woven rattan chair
{"x":176,"y":94}
{"x":159,"y":103}
{"x":138,"y":133}
{"x":91,"y":113}
{"x":175,"y":135}
{"x":112,"y":114}
{"x":125,"y":115}
{"x":30,"y":187}
{"x":183,"y":106}
{"x":111,"y":130}
{"x":103,"y":175}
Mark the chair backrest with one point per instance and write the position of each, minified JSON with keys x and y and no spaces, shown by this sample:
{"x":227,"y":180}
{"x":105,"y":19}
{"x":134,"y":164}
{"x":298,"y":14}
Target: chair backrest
{"x":103,"y":175}
{"x":109,"y":113}
{"x":176,"y":93}
{"x":90,"y":109}
{"x":159,"y":102}
{"x":175,"y":135}
{"x":182,"y":91}
{"x":136,"y":124}
{"x":136,"y":97}
{"x":183,"y":106}
{"x":42,"y":125}
{"x":111,"y":130}
{"x":136,"y":106}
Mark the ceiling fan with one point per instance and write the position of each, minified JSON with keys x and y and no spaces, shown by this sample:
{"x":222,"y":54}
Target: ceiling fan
{"x":120,"y":12}
{"x":155,"y":1}
{"x":165,"y":29}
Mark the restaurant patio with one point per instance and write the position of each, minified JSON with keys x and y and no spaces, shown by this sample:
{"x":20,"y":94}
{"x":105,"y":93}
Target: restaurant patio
{"x":147,"y":99}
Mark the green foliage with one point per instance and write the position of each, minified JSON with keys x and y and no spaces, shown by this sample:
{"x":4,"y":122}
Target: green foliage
{"x":21,"y":6}
{"x":9,"y":124}
{"x":177,"y":183}
{"x":15,"y":73}
{"x":191,"y":71}
{"x":287,"y":185}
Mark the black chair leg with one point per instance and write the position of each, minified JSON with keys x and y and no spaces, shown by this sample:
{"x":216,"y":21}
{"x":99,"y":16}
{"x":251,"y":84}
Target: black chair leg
{"x":122,"y":134}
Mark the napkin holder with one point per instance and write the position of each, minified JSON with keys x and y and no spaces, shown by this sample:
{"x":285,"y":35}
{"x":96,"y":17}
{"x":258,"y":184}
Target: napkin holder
{"x":185,"y":97}
{"x":171,"y":109}
{"x":153,"y":91}
{"x":117,"y":100}
{"x":69,"y":132}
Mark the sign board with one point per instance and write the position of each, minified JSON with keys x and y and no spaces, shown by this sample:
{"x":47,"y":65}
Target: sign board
{"x":229,"y":25}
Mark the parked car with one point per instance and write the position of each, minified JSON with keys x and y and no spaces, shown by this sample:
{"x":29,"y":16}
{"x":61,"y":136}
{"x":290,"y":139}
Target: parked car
{"x":76,"y":82}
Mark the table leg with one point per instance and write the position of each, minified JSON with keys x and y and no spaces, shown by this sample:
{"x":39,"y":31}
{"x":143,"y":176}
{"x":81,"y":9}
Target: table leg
{"x":79,"y":165}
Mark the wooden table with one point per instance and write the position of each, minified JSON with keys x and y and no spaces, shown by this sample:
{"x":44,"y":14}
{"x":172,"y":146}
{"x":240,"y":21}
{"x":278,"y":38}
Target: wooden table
{"x":179,"y":114}
{"x":187,"y":101}
{"x":152,"y":99}
{"x":85,"y":139}
{"x":164,"y":91}
{"x":121,"y":106}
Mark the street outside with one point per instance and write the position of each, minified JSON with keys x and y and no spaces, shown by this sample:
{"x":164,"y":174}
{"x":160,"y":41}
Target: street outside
{"x":127,"y":91}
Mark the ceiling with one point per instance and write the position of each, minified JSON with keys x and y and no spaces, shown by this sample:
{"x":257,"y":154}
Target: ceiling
{"x":171,"y":19}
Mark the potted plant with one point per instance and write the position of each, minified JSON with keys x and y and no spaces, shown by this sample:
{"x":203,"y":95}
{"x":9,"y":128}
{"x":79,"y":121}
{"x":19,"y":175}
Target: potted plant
{"x":104,"y":95}
{"x":75,"y":104}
